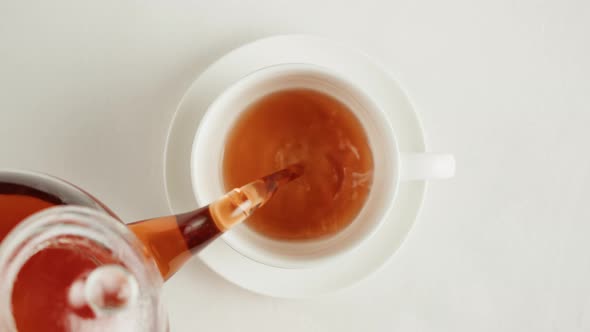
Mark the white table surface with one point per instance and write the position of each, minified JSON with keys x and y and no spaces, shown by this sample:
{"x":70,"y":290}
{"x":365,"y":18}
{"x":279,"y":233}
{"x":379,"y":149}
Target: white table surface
{"x":88,"y":88}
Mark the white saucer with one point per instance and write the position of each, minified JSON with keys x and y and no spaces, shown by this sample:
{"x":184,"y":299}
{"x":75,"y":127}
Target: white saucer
{"x":371,"y":255}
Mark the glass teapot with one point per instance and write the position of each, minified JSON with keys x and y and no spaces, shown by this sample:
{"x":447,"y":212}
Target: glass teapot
{"x":72,"y":265}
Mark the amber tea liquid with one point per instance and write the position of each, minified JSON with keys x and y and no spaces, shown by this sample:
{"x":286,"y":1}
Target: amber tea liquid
{"x":47,"y":274}
{"x":309,"y":127}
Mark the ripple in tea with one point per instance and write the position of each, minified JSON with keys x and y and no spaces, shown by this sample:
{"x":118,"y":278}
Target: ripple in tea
{"x":312,"y":128}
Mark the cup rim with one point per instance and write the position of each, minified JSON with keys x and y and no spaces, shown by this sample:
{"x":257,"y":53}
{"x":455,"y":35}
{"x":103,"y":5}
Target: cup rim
{"x":243,"y":82}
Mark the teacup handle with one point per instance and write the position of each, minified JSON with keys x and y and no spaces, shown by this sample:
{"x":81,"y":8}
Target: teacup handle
{"x":427,"y":166}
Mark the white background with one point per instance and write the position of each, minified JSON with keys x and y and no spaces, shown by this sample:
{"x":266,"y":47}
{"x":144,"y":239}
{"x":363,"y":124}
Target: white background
{"x":87,"y":91}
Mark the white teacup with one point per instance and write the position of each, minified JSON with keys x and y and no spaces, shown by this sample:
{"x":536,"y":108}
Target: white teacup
{"x":390,"y":165}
